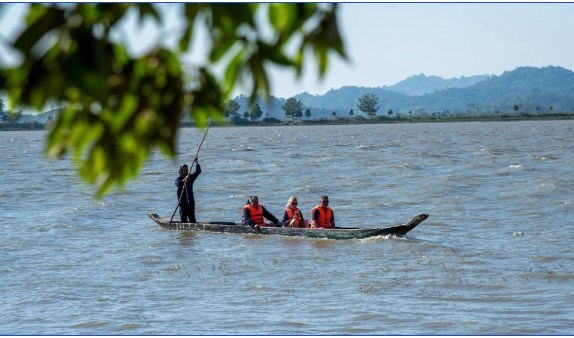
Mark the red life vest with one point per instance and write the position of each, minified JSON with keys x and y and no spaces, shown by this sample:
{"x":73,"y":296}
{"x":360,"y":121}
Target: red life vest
{"x":290,"y":214}
{"x":324,"y":219}
{"x":256,"y":215}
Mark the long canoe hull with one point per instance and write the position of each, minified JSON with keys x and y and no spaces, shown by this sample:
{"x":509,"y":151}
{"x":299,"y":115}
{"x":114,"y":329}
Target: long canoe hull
{"x":336,"y":233}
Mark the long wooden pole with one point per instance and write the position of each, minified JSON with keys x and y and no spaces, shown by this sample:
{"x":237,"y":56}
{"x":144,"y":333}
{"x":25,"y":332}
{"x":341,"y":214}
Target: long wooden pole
{"x":192,"y":163}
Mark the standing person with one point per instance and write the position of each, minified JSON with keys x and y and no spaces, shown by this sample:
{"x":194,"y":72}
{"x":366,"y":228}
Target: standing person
{"x":254,"y":214}
{"x":292,"y":216}
{"x":184,"y":184}
{"x":322,"y":216}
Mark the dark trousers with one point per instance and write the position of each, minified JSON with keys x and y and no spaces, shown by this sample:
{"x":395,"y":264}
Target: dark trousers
{"x":187,"y":211}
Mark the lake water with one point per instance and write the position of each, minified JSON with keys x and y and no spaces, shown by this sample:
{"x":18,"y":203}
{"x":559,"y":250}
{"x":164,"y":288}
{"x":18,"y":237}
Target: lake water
{"x":495,"y":256}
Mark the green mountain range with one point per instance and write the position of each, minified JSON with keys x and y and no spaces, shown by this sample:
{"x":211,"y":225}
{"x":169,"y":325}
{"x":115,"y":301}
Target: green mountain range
{"x":524,"y":90}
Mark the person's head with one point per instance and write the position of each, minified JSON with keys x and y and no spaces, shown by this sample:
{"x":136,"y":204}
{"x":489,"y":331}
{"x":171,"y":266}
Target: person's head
{"x":292,"y":202}
{"x":183,"y":170}
{"x":254,"y":200}
{"x":324,"y":202}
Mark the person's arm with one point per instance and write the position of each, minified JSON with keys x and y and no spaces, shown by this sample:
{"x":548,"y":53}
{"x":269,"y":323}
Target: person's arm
{"x":179,"y":182}
{"x":247,"y":217}
{"x":196,"y":172}
{"x":332,"y":218}
{"x":285,"y":217}
{"x":315,"y":216}
{"x":192,"y":177}
{"x":269,"y":216}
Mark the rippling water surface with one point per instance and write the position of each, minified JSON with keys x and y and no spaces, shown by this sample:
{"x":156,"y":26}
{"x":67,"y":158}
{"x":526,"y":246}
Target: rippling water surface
{"x":495,"y":257}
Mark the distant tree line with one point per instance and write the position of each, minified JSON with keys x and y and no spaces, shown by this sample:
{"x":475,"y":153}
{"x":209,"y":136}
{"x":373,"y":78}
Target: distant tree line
{"x":8,"y":115}
{"x":294,"y":112}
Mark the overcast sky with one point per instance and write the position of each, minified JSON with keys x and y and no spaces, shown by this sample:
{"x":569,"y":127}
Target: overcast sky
{"x":388,"y":42}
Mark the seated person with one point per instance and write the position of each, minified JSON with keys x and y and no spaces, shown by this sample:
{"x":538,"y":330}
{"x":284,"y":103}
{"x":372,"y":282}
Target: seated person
{"x":322,"y":216}
{"x":292,"y":216}
{"x":254,"y":214}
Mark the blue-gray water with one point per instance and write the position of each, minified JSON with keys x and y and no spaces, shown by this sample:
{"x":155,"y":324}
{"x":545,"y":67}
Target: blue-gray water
{"x":495,"y":257}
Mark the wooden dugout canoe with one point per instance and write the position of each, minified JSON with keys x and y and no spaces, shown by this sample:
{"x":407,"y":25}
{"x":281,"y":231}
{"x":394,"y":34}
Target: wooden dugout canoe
{"x":335,"y":233}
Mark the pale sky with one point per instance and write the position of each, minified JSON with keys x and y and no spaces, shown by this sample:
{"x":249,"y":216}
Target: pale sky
{"x":388,"y":42}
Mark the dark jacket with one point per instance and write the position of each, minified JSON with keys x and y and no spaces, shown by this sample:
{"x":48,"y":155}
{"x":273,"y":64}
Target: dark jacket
{"x":188,"y":195}
{"x":266,"y":214}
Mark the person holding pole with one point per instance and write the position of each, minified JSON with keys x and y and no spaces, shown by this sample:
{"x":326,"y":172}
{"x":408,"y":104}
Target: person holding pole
{"x":184,"y":183}
{"x":186,"y":195}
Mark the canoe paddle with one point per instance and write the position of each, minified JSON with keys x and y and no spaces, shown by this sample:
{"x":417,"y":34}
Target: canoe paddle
{"x":191,"y":167}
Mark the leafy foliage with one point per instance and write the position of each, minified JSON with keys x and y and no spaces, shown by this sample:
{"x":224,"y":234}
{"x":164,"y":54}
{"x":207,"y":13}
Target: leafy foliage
{"x":13,"y":116}
{"x":231,"y":109}
{"x":369,"y":104}
{"x":8,"y":115}
{"x":255,"y":112}
{"x":119,"y":106}
{"x":293,"y":108}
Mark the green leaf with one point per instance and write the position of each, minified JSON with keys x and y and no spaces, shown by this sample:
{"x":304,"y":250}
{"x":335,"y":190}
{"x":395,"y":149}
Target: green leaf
{"x":120,"y":107}
{"x":233,"y":70}
{"x":41,"y":20}
{"x":147,"y":10}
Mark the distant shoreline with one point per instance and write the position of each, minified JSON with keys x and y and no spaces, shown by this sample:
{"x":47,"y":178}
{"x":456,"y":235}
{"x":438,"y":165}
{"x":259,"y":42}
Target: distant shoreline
{"x":340,"y":121}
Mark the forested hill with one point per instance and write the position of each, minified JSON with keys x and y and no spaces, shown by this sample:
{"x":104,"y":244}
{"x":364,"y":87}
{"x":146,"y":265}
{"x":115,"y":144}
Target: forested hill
{"x":523,"y":90}
{"x":424,"y":84}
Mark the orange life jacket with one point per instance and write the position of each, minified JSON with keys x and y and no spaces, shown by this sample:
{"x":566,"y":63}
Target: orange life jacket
{"x":256,"y":215}
{"x":324,"y":219}
{"x":290,"y":214}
